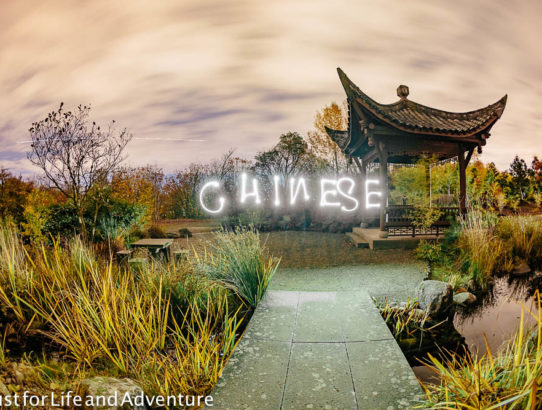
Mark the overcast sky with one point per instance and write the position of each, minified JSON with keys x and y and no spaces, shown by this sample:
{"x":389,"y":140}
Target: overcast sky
{"x":191,"y":79}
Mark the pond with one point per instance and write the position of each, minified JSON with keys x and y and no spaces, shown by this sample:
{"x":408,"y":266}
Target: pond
{"x":495,"y":318}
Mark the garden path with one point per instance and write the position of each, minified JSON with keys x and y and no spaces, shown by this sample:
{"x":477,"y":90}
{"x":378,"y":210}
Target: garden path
{"x":318,"y":341}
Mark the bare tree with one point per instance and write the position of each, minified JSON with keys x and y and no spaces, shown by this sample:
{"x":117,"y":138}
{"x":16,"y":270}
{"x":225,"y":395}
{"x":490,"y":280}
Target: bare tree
{"x":220,"y":168}
{"x":74,"y":153}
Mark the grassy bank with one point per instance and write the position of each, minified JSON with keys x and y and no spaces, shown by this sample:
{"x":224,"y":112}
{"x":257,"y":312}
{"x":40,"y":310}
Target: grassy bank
{"x":482,"y":246}
{"x":474,"y":252}
{"x":68,"y":313}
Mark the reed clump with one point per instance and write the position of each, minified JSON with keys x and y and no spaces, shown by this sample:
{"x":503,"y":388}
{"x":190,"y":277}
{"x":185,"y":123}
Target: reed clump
{"x":511,"y":378}
{"x":405,"y":321}
{"x":481,"y":250}
{"x":237,"y":261}
{"x":523,"y":237}
{"x":483,"y":245}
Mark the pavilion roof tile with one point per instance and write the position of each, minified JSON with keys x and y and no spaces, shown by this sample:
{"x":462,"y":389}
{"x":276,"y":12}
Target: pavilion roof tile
{"x":410,"y":116}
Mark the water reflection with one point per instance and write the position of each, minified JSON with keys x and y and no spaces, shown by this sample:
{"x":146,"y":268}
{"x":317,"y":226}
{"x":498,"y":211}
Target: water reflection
{"x":494,"y":318}
{"x":497,"y":317}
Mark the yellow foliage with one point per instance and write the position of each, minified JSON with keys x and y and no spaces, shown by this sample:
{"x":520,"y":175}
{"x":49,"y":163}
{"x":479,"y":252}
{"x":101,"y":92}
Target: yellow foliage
{"x":134,"y":185}
{"x":107,"y":322}
{"x":322,"y":146}
{"x":36,"y":212}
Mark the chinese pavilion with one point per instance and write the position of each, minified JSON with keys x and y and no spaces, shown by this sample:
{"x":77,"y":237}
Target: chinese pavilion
{"x":405,"y":131}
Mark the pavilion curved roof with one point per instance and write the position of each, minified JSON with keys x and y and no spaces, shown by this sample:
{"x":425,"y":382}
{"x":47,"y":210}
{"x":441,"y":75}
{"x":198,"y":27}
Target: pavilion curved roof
{"x":340,"y":137}
{"x":412,"y":117}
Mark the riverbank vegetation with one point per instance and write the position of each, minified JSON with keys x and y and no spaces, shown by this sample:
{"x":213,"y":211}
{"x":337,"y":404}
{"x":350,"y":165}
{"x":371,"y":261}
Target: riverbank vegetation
{"x":477,"y":250}
{"x":483,"y":245}
{"x":510,"y":378}
{"x":417,"y":332}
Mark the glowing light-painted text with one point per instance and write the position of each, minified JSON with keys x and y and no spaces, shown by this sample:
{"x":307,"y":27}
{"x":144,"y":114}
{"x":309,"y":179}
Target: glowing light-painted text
{"x":334,"y":193}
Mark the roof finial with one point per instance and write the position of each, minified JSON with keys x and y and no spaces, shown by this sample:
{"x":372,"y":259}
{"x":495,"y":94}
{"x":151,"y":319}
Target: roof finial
{"x":402,"y":91}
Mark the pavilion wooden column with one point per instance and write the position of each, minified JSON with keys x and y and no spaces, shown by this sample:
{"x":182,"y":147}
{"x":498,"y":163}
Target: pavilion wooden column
{"x":462,"y":183}
{"x":383,"y":159}
{"x":362,"y":166}
{"x":463,"y":162}
{"x":428,"y":184}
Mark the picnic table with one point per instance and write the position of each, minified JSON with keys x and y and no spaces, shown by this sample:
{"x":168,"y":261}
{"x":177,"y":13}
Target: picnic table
{"x":158,"y":247}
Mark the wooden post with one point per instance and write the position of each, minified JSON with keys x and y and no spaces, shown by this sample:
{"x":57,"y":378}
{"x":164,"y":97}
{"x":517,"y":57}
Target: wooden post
{"x":383,"y":158}
{"x":362,"y":166}
{"x":462,"y":182}
{"x":428,"y":184}
{"x":463,"y":162}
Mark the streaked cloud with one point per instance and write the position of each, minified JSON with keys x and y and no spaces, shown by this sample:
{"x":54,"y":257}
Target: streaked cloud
{"x":193,"y":78}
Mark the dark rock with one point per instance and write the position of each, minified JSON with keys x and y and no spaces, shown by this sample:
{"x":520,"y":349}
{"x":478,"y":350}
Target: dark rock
{"x":464,"y":298}
{"x":521,"y":269}
{"x":435,"y":297}
{"x":185,"y":233}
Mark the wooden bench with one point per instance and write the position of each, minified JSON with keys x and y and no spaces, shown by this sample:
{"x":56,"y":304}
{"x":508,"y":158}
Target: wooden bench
{"x":123,"y":255}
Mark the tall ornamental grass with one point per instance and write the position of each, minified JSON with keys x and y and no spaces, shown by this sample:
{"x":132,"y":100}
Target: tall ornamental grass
{"x":484,"y":245}
{"x":482,"y":251}
{"x":489,"y":245}
{"x":523,"y":237}
{"x":236,"y":260}
{"x":510,"y":379}
{"x":167,"y":326}
{"x":15,"y":277}
{"x":197,"y":353}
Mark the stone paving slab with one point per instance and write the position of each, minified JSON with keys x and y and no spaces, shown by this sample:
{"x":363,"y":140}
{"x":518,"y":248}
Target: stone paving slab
{"x":328,"y":350}
{"x":382,"y":377}
{"x":319,"y":377}
{"x":338,"y":317}
{"x":254,"y":376}
{"x":276,"y":317}
{"x":317,"y":318}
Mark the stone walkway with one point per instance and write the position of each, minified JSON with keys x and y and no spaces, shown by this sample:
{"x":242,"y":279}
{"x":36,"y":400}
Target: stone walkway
{"x":318,"y":349}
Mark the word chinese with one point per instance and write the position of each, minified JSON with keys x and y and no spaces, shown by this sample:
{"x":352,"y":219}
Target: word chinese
{"x":333,"y":193}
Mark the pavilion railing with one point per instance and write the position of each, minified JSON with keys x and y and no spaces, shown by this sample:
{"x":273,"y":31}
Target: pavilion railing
{"x":399,"y":221}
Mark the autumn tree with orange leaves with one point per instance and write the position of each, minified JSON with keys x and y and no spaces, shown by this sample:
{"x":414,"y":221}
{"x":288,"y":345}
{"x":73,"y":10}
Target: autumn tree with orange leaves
{"x":140,"y":185}
{"x":333,"y":116}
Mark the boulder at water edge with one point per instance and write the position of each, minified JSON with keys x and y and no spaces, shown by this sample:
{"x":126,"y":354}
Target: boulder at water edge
{"x":464,"y":298}
{"x":435,"y":297}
